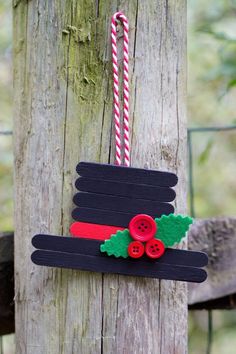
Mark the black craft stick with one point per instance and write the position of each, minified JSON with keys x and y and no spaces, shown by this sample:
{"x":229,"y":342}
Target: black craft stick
{"x":130,"y":190}
{"x":105,"y":217}
{"x":113,"y":265}
{"x":127,"y":174}
{"x":92,"y":248}
{"x":122,"y":204}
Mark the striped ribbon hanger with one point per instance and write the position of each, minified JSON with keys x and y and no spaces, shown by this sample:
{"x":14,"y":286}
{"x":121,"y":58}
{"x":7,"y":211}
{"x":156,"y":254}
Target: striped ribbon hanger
{"x":119,"y":16}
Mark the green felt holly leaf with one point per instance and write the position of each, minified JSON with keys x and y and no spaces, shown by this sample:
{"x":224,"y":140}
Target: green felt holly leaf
{"x":117,"y":244}
{"x":172,"y":228}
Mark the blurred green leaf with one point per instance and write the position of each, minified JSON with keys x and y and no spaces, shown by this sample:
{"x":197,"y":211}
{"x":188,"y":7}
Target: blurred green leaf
{"x":231,"y":84}
{"x":204,"y":156}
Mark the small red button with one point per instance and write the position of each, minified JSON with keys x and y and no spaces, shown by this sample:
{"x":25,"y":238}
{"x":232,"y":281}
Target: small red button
{"x":136,"y":249}
{"x":142,"y":227}
{"x":154,"y":248}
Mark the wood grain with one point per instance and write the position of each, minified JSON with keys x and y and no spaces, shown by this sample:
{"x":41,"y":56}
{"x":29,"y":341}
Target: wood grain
{"x":62,"y":115}
{"x":216,"y":237}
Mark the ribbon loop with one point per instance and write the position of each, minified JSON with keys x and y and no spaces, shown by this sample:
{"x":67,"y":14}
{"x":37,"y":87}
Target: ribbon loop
{"x":122,"y":18}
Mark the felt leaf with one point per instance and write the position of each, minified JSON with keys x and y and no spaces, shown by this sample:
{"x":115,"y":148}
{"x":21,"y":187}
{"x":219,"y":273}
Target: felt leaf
{"x":117,"y":244}
{"x":172,"y":228}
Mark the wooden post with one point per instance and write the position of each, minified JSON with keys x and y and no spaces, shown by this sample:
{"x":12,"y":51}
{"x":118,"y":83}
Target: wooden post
{"x":63,"y":112}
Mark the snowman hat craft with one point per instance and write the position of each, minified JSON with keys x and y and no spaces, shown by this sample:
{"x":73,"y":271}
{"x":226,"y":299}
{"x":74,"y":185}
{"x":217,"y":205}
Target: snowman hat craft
{"x":124,"y":222}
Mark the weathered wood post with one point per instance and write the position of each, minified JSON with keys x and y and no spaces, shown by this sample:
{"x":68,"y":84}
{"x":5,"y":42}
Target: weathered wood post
{"x":63,"y":112}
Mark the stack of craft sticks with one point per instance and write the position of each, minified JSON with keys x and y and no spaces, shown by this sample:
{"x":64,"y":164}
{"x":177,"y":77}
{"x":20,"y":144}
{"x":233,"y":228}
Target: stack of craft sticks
{"x":110,"y":196}
{"x":113,"y":195}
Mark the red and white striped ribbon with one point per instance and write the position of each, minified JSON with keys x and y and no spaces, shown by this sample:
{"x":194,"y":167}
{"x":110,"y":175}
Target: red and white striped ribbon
{"x":121,"y":17}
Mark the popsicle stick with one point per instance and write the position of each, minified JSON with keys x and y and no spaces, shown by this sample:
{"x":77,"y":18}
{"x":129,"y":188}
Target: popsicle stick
{"x":118,"y":266}
{"x":126,"y":174}
{"x":94,"y":231}
{"x":92,"y":248}
{"x":122,"y":204}
{"x":130,"y":190}
{"x":105,"y":217}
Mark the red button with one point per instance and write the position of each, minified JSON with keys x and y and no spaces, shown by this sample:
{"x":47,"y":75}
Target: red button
{"x":155,"y":248}
{"x":136,"y":249}
{"x":142,"y":227}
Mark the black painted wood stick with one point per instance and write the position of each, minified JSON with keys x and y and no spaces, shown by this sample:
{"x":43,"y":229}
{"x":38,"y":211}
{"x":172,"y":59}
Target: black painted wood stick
{"x":122,"y":189}
{"x":113,"y":265}
{"x":105,"y":217}
{"x":127,"y":174}
{"x":92,"y":248}
{"x":122,"y":204}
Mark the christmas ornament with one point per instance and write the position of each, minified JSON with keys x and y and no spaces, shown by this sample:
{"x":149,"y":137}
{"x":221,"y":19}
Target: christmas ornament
{"x":124,"y":222}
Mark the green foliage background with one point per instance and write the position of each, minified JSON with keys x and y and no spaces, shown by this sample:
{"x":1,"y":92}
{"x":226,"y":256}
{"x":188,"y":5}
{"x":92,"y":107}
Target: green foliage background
{"x":6,"y":158}
{"x":211,"y":101}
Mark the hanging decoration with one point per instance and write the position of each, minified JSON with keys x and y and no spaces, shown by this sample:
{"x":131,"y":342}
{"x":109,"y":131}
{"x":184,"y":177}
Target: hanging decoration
{"x":124,"y":222}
